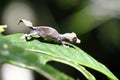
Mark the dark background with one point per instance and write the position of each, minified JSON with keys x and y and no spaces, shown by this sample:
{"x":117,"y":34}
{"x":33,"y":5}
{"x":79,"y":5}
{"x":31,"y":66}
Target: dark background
{"x":96,"y":22}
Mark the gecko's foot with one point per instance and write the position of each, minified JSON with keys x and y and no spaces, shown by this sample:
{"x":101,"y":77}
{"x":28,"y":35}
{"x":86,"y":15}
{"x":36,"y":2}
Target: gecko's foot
{"x":65,"y":46}
{"x":25,"y":36}
{"x":63,"y":43}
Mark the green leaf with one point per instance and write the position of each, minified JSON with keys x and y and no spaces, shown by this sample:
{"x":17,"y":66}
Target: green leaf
{"x":46,"y":70}
{"x":16,"y":55}
{"x":36,"y":52}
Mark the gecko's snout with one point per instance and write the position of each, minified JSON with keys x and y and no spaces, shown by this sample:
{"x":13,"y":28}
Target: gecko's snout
{"x":78,"y":41}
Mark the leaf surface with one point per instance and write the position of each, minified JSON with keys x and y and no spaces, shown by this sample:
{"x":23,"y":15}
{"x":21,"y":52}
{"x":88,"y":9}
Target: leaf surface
{"x":36,"y":52}
{"x":18,"y":56}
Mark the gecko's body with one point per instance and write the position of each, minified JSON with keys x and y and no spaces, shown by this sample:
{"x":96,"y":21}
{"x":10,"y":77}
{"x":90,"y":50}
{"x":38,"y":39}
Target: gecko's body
{"x":49,"y":33}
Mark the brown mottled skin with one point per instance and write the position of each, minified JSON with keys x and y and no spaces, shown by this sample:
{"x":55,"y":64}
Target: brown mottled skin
{"x":49,"y":33}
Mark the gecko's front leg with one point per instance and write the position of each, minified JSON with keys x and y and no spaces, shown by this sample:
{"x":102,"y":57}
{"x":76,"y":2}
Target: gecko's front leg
{"x":63,"y":44}
{"x":26,"y":36}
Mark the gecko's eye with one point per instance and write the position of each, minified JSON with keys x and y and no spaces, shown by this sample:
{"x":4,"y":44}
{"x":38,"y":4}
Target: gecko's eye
{"x":74,"y":39}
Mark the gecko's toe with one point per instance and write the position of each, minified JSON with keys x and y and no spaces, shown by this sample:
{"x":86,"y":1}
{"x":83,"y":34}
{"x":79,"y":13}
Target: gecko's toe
{"x":24,"y":36}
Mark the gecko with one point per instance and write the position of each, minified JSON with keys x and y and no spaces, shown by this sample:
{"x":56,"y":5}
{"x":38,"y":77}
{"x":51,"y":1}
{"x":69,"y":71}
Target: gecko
{"x":49,"y":33}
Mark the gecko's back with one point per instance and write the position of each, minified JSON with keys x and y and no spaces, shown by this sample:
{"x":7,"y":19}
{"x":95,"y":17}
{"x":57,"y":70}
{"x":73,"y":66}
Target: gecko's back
{"x":47,"y":33}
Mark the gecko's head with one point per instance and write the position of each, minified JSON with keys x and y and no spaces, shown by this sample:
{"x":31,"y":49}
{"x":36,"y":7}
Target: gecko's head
{"x":71,"y":37}
{"x":75,"y":38}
